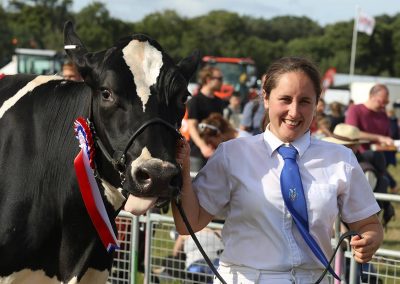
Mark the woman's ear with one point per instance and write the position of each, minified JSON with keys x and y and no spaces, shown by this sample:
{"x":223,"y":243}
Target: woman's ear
{"x":265,"y":99}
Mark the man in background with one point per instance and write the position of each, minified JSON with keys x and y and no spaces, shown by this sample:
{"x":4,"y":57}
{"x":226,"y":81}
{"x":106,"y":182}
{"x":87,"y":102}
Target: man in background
{"x":371,"y":118}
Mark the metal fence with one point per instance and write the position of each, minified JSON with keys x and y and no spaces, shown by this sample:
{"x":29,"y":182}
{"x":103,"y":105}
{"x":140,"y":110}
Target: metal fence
{"x":161,"y":267}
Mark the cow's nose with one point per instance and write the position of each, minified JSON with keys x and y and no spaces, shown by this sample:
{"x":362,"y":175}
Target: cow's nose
{"x":158,"y":177}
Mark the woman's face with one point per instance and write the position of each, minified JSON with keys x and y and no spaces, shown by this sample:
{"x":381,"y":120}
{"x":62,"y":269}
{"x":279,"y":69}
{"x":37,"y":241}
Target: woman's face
{"x":291,"y":106}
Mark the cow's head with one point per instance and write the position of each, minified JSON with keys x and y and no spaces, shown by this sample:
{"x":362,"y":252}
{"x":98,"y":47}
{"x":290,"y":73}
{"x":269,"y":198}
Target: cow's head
{"x":135,"y":84}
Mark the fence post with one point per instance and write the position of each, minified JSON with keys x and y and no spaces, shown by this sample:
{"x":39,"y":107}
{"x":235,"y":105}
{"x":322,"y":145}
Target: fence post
{"x":339,"y":255}
{"x":135,"y":248}
{"x":147,"y":254}
{"x":353,"y":271}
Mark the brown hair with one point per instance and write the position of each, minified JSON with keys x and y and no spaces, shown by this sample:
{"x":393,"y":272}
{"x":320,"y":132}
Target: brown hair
{"x":291,"y":64}
{"x":206,"y":73}
{"x":217,"y":120}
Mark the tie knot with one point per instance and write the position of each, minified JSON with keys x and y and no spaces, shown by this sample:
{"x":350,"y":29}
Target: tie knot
{"x":287,"y":152}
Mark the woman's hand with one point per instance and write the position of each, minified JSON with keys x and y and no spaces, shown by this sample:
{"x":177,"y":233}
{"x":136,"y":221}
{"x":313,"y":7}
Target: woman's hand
{"x":371,"y":232}
{"x":364,"y":248}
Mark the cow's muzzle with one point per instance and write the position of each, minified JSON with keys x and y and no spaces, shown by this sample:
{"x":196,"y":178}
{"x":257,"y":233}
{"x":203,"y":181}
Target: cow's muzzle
{"x":156,"y":177}
{"x":154,"y":183}
{"x":118,"y":158}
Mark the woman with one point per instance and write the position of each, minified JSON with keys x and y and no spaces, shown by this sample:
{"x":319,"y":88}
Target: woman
{"x":215,"y":129}
{"x":262,"y":243}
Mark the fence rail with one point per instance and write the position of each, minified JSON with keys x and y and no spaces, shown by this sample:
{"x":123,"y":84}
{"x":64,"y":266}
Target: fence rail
{"x":161,"y":268}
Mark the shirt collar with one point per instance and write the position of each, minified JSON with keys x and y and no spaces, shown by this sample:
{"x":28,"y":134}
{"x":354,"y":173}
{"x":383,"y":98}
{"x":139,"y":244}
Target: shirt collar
{"x":272,"y":142}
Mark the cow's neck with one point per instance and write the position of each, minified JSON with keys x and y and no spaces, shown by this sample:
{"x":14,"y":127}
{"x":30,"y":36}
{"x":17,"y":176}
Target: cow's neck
{"x":110,"y":180}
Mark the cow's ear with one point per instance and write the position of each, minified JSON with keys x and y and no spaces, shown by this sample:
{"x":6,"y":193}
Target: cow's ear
{"x":188,"y":65}
{"x":76,"y":50}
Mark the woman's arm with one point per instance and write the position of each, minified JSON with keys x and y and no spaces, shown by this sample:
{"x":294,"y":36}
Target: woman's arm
{"x":197,"y":216}
{"x":371,"y":232}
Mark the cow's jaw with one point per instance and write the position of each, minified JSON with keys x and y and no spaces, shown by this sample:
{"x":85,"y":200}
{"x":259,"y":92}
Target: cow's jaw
{"x":113,"y":195}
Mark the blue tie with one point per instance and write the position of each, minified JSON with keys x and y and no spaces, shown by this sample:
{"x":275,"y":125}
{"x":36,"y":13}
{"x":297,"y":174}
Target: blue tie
{"x":293,"y":196}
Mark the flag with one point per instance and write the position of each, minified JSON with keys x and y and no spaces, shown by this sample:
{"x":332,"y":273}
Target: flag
{"x":365,"y":23}
{"x":328,"y":78}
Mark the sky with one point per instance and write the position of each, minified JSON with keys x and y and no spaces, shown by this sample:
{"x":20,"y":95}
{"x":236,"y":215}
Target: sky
{"x":322,"y":11}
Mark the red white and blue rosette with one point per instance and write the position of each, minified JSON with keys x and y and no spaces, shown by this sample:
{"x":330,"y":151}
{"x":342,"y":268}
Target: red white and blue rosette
{"x":84,"y":168}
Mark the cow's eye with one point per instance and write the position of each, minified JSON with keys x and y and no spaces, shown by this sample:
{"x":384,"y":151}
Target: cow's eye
{"x":106,"y":95}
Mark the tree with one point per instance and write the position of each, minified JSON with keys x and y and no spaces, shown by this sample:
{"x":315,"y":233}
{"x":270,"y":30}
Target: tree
{"x":167,"y":28}
{"x":396,"y":47}
{"x":6,"y":47}
{"x":97,"y":29}
{"x":36,"y":24}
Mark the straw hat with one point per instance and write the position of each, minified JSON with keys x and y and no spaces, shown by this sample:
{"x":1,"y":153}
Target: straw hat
{"x":345,"y":134}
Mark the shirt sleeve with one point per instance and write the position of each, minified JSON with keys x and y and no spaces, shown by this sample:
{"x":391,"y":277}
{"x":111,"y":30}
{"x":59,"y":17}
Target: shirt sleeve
{"x":246,"y":117}
{"x":352,"y":116}
{"x":212,"y":185}
{"x":357,"y":201}
{"x":193,"y":110}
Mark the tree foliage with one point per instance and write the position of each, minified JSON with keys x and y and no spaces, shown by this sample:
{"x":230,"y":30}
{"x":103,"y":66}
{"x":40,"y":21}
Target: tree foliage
{"x":39,"y":23}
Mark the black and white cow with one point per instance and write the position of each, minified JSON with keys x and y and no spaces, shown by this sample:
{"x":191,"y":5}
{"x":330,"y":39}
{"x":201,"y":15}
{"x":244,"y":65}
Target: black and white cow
{"x":46,"y":235}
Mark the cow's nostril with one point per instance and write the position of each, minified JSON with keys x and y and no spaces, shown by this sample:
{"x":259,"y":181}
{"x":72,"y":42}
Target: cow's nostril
{"x":142,"y":176}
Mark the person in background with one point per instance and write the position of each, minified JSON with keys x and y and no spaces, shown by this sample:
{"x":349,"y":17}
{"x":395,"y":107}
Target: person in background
{"x":233,"y":112}
{"x":319,"y":113}
{"x":336,"y":115}
{"x":70,"y":72}
{"x":201,"y":106}
{"x":371,"y":118}
{"x":215,"y":129}
{"x":373,"y":122}
{"x":253,"y":115}
{"x":323,"y":125}
{"x":195,"y":265}
{"x":394,"y":134}
{"x":373,"y":164}
{"x":263,"y":243}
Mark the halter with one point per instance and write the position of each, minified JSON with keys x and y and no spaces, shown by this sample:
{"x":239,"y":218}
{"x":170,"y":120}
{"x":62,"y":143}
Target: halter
{"x":118,"y":158}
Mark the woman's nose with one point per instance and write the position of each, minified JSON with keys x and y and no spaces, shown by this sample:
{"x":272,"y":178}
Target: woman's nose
{"x":293,"y":109}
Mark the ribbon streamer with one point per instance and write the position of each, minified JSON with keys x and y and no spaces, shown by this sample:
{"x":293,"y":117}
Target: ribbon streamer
{"x":93,"y":201}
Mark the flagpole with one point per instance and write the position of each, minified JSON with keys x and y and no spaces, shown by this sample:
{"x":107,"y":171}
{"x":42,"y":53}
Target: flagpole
{"x":354,"y":44}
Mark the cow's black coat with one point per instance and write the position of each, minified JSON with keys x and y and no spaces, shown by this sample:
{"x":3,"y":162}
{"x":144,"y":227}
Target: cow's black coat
{"x":43,"y":221}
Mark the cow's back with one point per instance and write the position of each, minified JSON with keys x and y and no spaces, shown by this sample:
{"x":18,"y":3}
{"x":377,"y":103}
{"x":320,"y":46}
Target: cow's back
{"x":41,"y":209}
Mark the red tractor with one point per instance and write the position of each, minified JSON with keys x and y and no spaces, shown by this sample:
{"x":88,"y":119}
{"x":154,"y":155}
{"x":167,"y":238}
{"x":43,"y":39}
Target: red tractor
{"x":239,"y":75}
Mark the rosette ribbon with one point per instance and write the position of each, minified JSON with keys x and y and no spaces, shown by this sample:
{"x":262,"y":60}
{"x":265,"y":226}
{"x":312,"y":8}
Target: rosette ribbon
{"x":84,"y":168}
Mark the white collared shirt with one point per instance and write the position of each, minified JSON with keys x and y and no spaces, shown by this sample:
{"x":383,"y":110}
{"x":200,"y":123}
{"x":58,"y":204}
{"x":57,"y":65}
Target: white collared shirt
{"x":242,"y":179}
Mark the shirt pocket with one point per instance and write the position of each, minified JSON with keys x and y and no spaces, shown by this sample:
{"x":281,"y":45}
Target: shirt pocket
{"x":322,"y":203}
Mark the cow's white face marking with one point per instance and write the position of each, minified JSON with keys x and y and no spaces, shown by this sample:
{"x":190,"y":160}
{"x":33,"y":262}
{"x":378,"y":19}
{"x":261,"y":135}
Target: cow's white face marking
{"x":27,"y":276}
{"x":113,"y":195}
{"x":144,"y":156}
{"x":145,"y":62}
{"x":39,"y":80}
